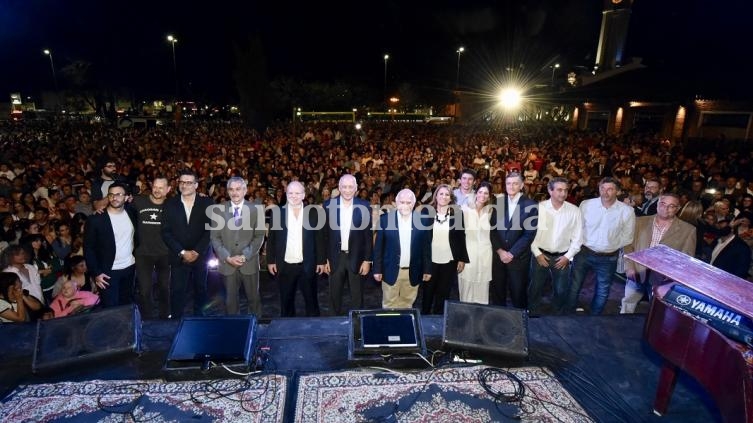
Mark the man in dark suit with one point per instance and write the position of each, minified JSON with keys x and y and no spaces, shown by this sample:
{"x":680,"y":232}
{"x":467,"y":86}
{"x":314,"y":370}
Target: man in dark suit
{"x":185,"y":230}
{"x":402,"y":253}
{"x":651,"y":191}
{"x":295,"y":251}
{"x":237,"y":235}
{"x":731,"y":253}
{"x":108,"y":248}
{"x":347,"y":234}
{"x":513,"y":221}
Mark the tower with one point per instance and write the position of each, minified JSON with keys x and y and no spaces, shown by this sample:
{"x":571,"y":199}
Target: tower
{"x":614,"y":29}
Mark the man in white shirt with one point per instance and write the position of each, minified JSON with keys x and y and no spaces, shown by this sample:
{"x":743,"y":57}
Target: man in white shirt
{"x":465,"y":191}
{"x":108,"y":248}
{"x":608,"y":226}
{"x":558,"y":239}
{"x":295,"y":251}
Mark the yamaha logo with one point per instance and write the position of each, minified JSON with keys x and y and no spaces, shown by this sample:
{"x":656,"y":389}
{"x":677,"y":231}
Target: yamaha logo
{"x":683,"y":300}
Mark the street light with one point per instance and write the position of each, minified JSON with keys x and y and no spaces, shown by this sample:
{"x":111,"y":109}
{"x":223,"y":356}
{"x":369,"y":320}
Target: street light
{"x":386,"y":57}
{"x":172,"y":40}
{"x":457,"y":77}
{"x":52,"y":66}
{"x":555,"y":66}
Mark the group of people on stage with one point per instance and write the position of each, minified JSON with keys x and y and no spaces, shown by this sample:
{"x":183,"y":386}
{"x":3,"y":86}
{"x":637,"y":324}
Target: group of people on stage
{"x":533,"y":209}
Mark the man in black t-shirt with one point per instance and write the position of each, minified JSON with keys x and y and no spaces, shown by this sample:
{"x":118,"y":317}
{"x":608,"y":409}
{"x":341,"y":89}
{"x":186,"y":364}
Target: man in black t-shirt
{"x":151,"y":254}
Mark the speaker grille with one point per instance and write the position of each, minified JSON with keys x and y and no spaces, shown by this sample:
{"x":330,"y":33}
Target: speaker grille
{"x":88,"y":336}
{"x":497,"y":330}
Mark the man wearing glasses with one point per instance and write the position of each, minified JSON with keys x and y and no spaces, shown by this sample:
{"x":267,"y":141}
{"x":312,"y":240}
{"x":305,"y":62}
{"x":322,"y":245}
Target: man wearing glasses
{"x":108,"y":248}
{"x":650,"y":231}
{"x":185,"y":230}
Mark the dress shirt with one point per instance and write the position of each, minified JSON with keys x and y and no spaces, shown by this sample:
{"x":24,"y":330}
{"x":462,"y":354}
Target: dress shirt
{"x":294,"y":241}
{"x":559,"y":230}
{"x":607,"y":229}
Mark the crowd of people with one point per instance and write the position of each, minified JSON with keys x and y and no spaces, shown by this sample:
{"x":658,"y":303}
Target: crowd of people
{"x":97,"y":216}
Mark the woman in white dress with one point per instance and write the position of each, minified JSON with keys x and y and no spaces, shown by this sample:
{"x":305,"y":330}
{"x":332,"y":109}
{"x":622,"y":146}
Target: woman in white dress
{"x":474,"y":280}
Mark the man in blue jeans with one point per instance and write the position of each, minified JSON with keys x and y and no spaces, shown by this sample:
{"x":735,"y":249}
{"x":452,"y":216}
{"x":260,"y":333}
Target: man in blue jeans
{"x":608,"y":225}
{"x":558,"y":240}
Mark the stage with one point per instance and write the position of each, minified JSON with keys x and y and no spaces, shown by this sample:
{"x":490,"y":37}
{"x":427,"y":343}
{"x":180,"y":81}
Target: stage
{"x":602,"y":361}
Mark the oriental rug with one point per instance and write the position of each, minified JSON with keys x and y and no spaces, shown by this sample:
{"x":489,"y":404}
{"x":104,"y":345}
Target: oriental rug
{"x":256,"y":399}
{"x":448,"y":395}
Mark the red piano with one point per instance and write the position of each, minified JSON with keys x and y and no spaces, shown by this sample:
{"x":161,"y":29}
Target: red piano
{"x":690,"y":342}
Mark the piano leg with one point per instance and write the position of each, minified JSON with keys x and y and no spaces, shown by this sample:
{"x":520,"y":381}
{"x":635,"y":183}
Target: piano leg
{"x":667,"y":379}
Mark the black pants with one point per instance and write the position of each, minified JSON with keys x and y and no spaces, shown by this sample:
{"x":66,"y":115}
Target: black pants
{"x":145,"y":267}
{"x":512,"y":277}
{"x":337,"y":280}
{"x":292,"y":277}
{"x":181,"y":275}
{"x":437,"y":290}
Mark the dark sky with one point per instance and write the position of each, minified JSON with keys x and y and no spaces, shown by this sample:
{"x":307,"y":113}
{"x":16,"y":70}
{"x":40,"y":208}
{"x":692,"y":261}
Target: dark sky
{"x":329,"y":40}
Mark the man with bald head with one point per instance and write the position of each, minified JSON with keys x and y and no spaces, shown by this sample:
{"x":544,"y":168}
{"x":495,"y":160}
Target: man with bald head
{"x":348,"y":239}
{"x":295,"y":251}
{"x":402,"y":253}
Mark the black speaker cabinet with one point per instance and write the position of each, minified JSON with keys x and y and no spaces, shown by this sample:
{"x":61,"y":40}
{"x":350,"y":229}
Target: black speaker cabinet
{"x":84,"y":337}
{"x":212,"y":347}
{"x":499,"y":331}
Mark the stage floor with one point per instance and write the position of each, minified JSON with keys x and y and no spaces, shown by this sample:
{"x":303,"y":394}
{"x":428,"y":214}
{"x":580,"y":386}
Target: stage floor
{"x":601,"y":360}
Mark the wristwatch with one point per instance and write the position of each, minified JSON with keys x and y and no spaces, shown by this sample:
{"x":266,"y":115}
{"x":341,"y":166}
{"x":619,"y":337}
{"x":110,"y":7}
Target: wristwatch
{"x":180,"y":254}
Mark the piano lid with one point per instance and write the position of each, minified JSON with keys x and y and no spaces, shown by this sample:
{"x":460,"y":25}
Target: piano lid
{"x":724,"y":287}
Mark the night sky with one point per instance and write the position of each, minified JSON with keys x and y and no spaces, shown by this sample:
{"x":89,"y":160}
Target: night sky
{"x":327,"y":41}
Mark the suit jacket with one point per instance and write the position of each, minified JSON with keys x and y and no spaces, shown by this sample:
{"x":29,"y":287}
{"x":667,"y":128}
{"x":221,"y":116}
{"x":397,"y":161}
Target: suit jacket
{"x":514,"y":235}
{"x":313,"y":239}
{"x":360,"y":241}
{"x":181,"y":234}
{"x":387,"y":249}
{"x":650,"y":208}
{"x":734,"y":258}
{"x":228,"y":240}
{"x":99,"y":241}
{"x":680,"y":236}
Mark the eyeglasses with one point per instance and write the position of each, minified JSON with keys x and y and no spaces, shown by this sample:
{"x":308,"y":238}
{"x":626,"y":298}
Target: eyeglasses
{"x":116,"y":195}
{"x":669,"y":206}
{"x":186,"y":182}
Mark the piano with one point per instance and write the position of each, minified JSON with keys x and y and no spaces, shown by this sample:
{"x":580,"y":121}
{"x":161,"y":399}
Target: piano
{"x":697,"y":343}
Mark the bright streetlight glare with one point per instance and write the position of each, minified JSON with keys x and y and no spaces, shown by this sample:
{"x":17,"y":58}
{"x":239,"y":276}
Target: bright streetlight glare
{"x":510,"y":98}
{"x":45,"y":51}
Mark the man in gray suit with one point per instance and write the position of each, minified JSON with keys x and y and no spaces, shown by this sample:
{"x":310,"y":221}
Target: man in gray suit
{"x":237,"y":234}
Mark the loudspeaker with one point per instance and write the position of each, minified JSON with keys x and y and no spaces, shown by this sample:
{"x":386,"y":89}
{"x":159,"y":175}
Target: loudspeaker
{"x":496,"y":330}
{"x":212,"y":347}
{"x":84,"y":337}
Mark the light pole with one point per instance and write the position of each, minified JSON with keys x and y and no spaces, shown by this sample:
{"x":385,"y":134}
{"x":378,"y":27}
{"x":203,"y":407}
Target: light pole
{"x":386,"y":57}
{"x":52,"y":66}
{"x":554,"y":67}
{"x":457,"y":77}
{"x":172,"y":40}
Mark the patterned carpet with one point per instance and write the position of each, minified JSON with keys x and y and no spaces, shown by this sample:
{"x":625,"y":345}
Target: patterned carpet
{"x":447,"y":395}
{"x":257,"y":399}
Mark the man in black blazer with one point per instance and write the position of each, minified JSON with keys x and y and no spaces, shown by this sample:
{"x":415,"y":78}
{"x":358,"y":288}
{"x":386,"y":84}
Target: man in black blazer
{"x":109,"y":240}
{"x":295,"y":251}
{"x":185,"y":230}
{"x":513,"y":221}
{"x":731,"y":253}
{"x":347,"y":234}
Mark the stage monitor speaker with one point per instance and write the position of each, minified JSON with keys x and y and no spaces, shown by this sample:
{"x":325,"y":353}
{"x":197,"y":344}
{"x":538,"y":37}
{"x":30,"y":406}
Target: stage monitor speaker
{"x":212,"y":347}
{"x":378,"y":334}
{"x":85,"y":337}
{"x":500,"y":331}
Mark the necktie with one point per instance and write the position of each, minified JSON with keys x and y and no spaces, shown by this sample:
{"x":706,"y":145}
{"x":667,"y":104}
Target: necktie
{"x":237,"y":216}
